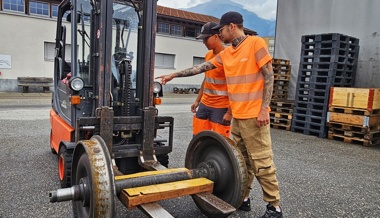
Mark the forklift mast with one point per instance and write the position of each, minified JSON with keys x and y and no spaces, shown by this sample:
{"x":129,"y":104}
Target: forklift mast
{"x":105,"y":85}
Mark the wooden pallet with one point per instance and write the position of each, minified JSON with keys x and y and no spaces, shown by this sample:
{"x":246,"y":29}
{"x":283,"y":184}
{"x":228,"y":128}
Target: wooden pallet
{"x":280,"y":92}
{"x":280,"y":87}
{"x":353,"y":119}
{"x":277,"y":120}
{"x":352,"y":140}
{"x":281,"y":83}
{"x":277,"y":96}
{"x":281,"y":77}
{"x":274,"y":114}
{"x":356,"y":111}
{"x":355,"y":128}
{"x":362,"y":135}
{"x":280,"y":61}
{"x":282,"y":103}
{"x":279,"y":71}
{"x":282,"y":109}
{"x":280,"y":126}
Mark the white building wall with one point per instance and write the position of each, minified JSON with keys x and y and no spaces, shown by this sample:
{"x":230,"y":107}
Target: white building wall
{"x":184,"y":49}
{"x":359,"y":19}
{"x":22,"y":37}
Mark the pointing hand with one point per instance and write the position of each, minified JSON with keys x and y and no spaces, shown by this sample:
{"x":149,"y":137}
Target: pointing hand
{"x":165,"y":78}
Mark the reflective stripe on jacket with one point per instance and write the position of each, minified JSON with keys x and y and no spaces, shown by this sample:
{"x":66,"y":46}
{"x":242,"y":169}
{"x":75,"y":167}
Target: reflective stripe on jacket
{"x":215,"y":86}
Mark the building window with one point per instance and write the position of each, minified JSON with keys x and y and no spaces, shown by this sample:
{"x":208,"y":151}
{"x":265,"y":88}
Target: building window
{"x":14,"y":5}
{"x":163,"y":28}
{"x":54,"y":11}
{"x":164,"y":60}
{"x":198,"y":60}
{"x":49,"y":51}
{"x":176,"y":30}
{"x":191,"y":32}
{"x":39,"y":8}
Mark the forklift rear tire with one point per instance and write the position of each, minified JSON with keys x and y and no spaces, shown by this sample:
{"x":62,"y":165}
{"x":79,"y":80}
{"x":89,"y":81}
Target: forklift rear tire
{"x":65,"y":158}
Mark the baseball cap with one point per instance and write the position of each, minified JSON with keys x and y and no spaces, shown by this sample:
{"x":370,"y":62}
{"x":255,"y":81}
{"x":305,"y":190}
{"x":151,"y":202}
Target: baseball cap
{"x":207,"y":30}
{"x":229,"y":17}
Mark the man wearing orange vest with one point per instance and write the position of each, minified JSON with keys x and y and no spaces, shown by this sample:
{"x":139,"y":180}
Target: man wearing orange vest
{"x":248,"y":69}
{"x":212,"y":100}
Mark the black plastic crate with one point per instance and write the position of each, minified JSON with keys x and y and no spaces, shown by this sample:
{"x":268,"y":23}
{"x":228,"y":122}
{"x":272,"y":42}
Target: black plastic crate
{"x":315,"y":86}
{"x":309,"y":52}
{"x":333,"y":44}
{"x":300,"y":117}
{"x":344,"y":81}
{"x":318,"y":108}
{"x":304,"y":79}
{"x":317,"y":130}
{"x":328,"y":72}
{"x":329,"y":66}
{"x":299,"y":123}
{"x":321,"y":133}
{"x":329,"y":37}
{"x":306,"y":66}
{"x":301,"y":107}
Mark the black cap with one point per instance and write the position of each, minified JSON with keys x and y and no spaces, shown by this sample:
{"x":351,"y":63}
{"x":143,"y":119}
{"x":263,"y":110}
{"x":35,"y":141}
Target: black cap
{"x":207,"y":30}
{"x":229,"y":17}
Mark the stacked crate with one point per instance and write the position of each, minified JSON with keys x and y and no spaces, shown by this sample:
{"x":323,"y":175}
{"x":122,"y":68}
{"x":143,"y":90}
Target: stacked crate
{"x":327,"y":60}
{"x":282,"y":109}
{"x":281,"y":114}
{"x":354,"y":115}
{"x":281,"y":70}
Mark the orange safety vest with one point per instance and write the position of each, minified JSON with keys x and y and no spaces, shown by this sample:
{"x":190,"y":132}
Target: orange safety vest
{"x":215,"y":86}
{"x":245,"y":82}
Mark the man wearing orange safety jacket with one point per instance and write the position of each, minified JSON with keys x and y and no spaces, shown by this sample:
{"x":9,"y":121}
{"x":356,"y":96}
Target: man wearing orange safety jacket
{"x":212,"y":99}
{"x":248,"y":69}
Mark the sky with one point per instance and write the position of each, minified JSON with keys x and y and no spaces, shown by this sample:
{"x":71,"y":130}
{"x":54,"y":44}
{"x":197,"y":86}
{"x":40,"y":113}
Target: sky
{"x":263,"y":8}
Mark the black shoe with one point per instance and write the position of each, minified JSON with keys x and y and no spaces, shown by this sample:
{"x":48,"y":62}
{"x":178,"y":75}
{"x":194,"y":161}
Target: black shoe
{"x":246,"y":205}
{"x":271,"y":212}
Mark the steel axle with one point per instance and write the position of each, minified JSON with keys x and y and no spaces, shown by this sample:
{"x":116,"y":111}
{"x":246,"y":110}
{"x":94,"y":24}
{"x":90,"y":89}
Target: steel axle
{"x":80,"y":193}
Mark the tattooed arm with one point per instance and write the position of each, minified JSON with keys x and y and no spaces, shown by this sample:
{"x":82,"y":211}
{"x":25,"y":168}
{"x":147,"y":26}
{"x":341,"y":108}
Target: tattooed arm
{"x":188,"y":72}
{"x":267,"y":71}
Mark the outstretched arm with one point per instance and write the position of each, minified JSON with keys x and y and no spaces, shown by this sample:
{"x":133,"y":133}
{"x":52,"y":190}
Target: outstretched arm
{"x":267,"y":71}
{"x":188,"y":72}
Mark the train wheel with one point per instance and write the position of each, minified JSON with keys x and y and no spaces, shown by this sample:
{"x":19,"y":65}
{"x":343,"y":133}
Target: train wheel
{"x":230,"y":172}
{"x":92,"y":166}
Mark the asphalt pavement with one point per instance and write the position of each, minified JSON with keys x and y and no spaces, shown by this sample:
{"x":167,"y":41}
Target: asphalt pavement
{"x":318,"y":177}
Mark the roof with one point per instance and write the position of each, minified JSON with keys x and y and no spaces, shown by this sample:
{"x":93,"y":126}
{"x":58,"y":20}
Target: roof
{"x":171,"y":12}
{"x":191,"y":16}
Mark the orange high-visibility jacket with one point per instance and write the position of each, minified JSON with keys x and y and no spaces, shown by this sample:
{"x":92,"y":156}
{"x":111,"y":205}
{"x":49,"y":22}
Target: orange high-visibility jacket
{"x":215,"y":87}
{"x":245,"y":82}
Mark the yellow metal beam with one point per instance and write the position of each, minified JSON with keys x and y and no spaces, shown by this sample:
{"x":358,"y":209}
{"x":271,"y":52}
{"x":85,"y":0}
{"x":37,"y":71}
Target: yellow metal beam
{"x":133,"y":197}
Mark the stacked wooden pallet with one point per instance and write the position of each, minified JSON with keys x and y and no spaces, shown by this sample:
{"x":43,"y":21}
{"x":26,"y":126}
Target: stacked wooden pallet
{"x":281,"y":114}
{"x":354,"y":115}
{"x":281,"y":69}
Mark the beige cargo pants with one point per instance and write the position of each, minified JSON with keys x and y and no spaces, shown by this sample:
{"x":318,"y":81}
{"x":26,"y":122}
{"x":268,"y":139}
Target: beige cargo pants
{"x":256,"y":146}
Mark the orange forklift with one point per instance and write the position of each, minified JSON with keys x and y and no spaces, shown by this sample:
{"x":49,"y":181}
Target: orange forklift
{"x":107,"y":132}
